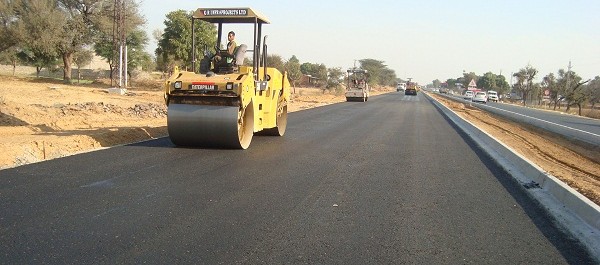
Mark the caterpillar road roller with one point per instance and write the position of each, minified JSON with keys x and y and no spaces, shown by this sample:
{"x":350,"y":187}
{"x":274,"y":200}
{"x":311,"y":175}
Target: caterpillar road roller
{"x":358,"y":87}
{"x":224,"y":103}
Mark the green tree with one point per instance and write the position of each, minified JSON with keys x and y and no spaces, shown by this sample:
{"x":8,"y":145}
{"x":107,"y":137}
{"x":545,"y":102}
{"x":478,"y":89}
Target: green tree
{"x":292,"y":66}
{"x":318,"y":71}
{"x":502,"y":85}
{"x":451,"y":83}
{"x":487,"y":81}
{"x":379,"y":73}
{"x":525,"y":78}
{"x":136,"y":37}
{"x":136,"y":42}
{"x":436,"y":83}
{"x":82,"y":58}
{"x":321,"y":74}
{"x":375,"y":68}
{"x":308,"y":68}
{"x":335,"y":76}
{"x":549,"y":83}
{"x":9,"y":56}
{"x":8,"y":26}
{"x":175,"y":46}
{"x":467,"y":77}
{"x":276,"y":61}
{"x":387,"y":77}
{"x":41,"y":24}
{"x":592,"y":91}
{"x":39,"y":60}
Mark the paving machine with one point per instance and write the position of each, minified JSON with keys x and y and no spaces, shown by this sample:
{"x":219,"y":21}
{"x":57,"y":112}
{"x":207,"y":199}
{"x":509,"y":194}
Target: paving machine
{"x":357,"y":88}
{"x":224,"y":103}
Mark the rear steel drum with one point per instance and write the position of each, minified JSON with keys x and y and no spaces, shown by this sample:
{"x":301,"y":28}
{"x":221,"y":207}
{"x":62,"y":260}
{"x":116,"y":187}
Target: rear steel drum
{"x":210,"y":126}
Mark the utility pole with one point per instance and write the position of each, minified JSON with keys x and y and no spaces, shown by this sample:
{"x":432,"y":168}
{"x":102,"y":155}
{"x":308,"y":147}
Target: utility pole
{"x":119,"y":59}
{"x":568,"y":78}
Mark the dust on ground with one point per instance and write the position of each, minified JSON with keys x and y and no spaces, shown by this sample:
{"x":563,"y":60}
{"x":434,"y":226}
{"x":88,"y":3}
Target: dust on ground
{"x":572,"y":163}
{"x":43,"y":119}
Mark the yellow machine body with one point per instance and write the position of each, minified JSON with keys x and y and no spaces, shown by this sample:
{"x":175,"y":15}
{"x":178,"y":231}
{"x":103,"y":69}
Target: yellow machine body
{"x":225,"y":106}
{"x":236,"y":89}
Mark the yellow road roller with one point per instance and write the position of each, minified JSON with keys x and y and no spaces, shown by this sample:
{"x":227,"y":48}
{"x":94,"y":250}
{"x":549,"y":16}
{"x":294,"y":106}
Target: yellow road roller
{"x":224,"y":103}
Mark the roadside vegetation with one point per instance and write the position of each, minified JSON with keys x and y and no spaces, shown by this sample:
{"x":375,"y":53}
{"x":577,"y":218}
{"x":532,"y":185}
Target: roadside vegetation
{"x":564,"y":91}
{"x":59,"y":35}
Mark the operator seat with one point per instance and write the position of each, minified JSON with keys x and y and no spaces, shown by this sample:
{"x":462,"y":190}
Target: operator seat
{"x":229,"y":65}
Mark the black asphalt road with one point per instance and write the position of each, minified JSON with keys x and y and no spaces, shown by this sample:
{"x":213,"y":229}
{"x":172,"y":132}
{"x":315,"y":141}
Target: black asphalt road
{"x":388,"y":181}
{"x":573,"y":127}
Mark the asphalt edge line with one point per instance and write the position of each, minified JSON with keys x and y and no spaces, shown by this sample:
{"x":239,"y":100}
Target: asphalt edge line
{"x":575,"y":213}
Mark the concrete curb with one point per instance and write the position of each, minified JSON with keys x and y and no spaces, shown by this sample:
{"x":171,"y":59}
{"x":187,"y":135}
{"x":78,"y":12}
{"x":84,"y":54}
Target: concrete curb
{"x":574,"y":212}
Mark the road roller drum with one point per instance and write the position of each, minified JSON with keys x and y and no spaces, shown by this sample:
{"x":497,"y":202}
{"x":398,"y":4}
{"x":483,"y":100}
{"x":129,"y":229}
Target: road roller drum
{"x":209,"y":126}
{"x":224,"y":105}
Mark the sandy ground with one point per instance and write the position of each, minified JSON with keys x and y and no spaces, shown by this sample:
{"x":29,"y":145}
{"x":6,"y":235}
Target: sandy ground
{"x":45,"y":119}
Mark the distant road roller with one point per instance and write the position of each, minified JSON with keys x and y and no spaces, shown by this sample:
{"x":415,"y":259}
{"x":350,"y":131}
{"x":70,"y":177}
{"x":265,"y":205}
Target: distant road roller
{"x":358,"y":86}
{"x":224,"y":103}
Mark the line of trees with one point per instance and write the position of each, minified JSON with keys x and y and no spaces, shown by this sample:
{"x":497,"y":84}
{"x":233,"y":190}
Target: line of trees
{"x":174,"y":46}
{"x":564,"y":86}
{"x":49,"y":33}
{"x":488,"y":81}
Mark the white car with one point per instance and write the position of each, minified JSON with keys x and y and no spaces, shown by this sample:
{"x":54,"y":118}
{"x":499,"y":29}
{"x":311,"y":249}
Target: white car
{"x":480,"y":97}
{"x":492,"y":95}
{"x":468,"y":94}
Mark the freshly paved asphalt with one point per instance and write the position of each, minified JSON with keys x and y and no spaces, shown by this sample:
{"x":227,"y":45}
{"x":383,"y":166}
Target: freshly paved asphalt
{"x":582,"y":129}
{"x":387,"y":181}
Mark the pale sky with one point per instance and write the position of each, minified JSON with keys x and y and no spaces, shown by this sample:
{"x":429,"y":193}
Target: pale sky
{"x":423,"y":39}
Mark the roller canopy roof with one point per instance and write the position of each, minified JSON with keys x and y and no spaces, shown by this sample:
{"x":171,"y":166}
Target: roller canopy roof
{"x":229,"y":15}
{"x":357,"y":71}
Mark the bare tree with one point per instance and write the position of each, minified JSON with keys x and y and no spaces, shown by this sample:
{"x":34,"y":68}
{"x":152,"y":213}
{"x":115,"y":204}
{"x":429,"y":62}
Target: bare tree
{"x":292,"y":67}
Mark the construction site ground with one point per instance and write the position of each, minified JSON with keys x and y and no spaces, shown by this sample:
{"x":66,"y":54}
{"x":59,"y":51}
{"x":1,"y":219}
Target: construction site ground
{"x":43,"y":119}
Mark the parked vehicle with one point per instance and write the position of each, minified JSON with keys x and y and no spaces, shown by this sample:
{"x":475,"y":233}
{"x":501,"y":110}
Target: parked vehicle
{"x":492,"y":96}
{"x":480,"y":97}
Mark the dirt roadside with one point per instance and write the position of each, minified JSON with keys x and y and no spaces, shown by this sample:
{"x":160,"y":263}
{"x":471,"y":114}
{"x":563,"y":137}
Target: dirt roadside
{"x":568,"y":161}
{"x":43,"y":119}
